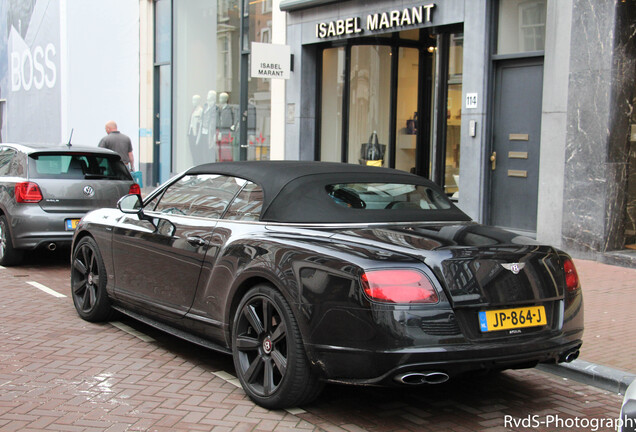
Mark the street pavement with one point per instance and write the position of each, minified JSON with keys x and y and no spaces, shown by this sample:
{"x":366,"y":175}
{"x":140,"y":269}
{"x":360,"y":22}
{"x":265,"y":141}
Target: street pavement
{"x":609,"y":346}
{"x":60,"y":373}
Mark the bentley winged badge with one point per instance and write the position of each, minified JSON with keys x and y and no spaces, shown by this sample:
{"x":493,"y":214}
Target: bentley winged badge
{"x":514,"y":267}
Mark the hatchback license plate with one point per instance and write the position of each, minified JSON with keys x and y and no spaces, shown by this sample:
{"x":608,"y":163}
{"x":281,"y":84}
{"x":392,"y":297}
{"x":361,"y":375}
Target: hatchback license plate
{"x":506,"y":319}
{"x":71,"y":224}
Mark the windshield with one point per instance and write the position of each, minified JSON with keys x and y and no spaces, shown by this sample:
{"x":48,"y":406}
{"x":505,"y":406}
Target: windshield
{"x":77,"y":166}
{"x":375,"y":196}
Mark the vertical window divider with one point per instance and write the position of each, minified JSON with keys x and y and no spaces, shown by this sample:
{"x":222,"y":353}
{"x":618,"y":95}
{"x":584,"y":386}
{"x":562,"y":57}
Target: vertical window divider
{"x":243,"y":78}
{"x":345,"y":105}
{"x":395,"y":54}
{"x":442,"y":101}
{"x":318,"y":99}
{"x":424,"y":102}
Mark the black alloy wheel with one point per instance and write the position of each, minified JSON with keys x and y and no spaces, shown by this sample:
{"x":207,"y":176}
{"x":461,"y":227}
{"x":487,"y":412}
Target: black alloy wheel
{"x":88,"y":282}
{"x":8,"y":254}
{"x":269,"y":356}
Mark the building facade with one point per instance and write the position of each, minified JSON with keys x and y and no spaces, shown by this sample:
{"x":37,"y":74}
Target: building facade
{"x":66,"y":68}
{"x":520,"y":109}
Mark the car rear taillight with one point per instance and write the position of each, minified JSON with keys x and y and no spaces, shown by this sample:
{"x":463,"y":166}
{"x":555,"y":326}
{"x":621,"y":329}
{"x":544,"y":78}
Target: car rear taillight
{"x":572,"y":281}
{"x":134,"y":189}
{"x":27,"y":192}
{"x":398,"y":286}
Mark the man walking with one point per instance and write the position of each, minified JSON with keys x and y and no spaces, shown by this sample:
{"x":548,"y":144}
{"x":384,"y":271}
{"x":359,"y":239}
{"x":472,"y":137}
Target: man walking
{"x":118,"y":142}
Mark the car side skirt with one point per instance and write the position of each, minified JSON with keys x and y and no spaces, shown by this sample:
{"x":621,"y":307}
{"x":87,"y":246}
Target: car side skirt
{"x":174,"y":331}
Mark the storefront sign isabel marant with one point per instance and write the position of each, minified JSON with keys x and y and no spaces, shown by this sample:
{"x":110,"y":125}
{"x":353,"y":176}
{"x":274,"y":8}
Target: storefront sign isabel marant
{"x":381,"y":21}
{"x":270,"y":60}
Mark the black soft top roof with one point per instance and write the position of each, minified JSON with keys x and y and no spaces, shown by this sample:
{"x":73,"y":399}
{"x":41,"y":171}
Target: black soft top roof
{"x":294,"y":191}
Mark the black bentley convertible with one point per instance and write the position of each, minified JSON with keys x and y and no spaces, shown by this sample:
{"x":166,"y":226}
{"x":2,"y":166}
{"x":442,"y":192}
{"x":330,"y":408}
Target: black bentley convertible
{"x":307,"y":272}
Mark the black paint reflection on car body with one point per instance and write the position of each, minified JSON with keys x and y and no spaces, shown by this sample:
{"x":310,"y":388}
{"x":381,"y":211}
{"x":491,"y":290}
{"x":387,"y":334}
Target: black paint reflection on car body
{"x":382,"y":284}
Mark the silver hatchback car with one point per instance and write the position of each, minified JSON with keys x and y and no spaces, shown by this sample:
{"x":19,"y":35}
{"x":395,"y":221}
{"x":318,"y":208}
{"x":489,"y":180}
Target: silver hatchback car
{"x":45,"y":191}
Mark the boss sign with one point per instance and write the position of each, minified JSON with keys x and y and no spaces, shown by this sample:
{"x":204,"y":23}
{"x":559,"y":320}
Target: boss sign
{"x":33,"y":68}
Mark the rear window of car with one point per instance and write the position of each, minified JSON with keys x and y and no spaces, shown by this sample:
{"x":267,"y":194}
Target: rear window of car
{"x":77,"y":166}
{"x":387,"y":196}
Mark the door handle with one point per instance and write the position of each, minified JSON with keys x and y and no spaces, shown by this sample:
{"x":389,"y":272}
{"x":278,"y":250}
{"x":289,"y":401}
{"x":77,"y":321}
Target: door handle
{"x":197,"y":241}
{"x":493,"y":160}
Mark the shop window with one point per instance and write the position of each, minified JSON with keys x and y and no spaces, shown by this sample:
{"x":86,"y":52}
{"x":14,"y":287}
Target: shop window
{"x":407,"y":112}
{"x":163,"y":32}
{"x":333,"y":70}
{"x":205,"y":55}
{"x":521,"y":26}
{"x":206,"y":86}
{"x":453,"y":115}
{"x":377,"y":106}
{"x":369,"y":104}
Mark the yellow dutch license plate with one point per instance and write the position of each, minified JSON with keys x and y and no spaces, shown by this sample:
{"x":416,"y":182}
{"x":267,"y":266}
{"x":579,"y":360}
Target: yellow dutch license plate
{"x":507,"y":319}
{"x":71,"y":224}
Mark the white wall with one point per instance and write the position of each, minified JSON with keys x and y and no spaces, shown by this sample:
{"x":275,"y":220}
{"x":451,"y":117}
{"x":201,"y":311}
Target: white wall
{"x":277,"y":137}
{"x":100,"y":69}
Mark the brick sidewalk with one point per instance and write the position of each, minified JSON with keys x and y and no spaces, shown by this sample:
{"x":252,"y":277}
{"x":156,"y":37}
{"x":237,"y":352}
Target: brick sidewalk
{"x":60,"y":373}
{"x":609,"y":295}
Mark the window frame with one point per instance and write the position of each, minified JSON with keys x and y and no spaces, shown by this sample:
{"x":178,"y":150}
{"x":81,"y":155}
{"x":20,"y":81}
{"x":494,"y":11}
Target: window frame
{"x":154,"y":203}
{"x":236,"y":197}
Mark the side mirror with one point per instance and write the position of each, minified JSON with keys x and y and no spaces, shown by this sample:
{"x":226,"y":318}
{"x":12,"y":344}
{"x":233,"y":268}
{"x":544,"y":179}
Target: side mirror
{"x":130,"y":204}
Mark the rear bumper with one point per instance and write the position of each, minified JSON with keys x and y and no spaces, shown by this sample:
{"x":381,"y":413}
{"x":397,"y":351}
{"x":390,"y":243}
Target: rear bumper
{"x":32,"y":227}
{"x":382,"y":368}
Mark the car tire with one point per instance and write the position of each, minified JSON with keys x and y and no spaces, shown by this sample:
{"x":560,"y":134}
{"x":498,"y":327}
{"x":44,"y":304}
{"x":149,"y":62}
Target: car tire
{"x":269,"y":356}
{"x":9,"y":256}
{"x":88,"y":282}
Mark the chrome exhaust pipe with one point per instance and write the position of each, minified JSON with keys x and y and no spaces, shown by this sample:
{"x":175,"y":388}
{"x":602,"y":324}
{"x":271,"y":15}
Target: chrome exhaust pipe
{"x":419,"y":378}
{"x":51,"y":246}
{"x":571,"y":356}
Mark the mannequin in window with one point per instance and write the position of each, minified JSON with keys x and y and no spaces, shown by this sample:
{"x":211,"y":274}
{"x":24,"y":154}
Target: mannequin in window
{"x":227,"y":124}
{"x":195,"y":127}
{"x":208,"y":127}
{"x":227,"y":120}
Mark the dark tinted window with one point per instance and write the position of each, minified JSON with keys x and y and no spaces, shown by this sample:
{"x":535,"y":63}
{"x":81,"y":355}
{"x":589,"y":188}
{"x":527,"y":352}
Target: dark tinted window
{"x":6,"y":156}
{"x":201,"y":195}
{"x":247,"y":205}
{"x":77,"y":166}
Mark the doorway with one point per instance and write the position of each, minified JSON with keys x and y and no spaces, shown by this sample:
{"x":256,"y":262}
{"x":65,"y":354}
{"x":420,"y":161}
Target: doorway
{"x":514,"y":158}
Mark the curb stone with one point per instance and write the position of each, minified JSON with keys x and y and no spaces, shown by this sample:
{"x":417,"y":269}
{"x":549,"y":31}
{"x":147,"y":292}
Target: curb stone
{"x":603,"y":377}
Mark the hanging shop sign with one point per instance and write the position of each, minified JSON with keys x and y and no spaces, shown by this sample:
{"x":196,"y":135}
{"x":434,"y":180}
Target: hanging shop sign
{"x":381,"y":21}
{"x":270,"y":60}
